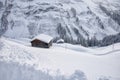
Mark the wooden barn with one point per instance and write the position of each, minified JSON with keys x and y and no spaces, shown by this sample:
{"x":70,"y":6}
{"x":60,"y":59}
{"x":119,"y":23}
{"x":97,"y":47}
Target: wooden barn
{"x":42,"y":40}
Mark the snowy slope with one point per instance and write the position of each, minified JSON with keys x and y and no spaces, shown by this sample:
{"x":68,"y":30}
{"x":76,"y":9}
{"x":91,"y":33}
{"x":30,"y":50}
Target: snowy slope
{"x":72,"y":20}
{"x":58,"y":59}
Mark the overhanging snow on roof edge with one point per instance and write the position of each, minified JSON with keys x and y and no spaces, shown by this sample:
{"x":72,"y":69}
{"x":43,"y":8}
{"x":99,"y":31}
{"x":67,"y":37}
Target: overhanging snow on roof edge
{"x":43,"y":37}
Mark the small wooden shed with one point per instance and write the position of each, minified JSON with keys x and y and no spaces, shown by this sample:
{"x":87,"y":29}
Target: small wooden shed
{"x":42,"y":40}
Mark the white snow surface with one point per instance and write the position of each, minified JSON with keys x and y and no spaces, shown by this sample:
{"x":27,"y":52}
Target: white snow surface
{"x":20,"y":61}
{"x":44,"y":38}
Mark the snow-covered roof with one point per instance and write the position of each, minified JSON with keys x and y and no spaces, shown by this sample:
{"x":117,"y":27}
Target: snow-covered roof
{"x":60,"y":41}
{"x":44,"y":38}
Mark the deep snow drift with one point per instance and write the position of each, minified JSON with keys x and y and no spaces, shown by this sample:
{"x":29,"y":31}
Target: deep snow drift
{"x":21,"y":61}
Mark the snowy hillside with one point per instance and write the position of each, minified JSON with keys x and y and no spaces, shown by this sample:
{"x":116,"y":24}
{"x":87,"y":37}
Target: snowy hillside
{"x":20,"y":61}
{"x":80,"y":22}
{"x":72,"y":20}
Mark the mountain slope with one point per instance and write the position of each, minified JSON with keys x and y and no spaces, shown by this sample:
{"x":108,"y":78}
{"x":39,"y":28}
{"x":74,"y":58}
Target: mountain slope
{"x":72,"y":20}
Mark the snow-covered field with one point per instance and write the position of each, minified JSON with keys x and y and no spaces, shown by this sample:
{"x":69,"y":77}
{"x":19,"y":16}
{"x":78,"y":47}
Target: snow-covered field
{"x":20,"y":61}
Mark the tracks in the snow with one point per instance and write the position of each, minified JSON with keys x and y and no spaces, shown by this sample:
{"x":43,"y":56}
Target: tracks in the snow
{"x":110,"y":52}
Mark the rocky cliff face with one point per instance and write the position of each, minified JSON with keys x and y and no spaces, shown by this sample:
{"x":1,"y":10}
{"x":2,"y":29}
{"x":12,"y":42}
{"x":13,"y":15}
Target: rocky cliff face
{"x":5,"y":11}
{"x":72,"y":20}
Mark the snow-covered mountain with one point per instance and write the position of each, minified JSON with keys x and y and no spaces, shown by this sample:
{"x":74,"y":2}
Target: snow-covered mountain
{"x":72,"y":20}
{"x":88,"y":22}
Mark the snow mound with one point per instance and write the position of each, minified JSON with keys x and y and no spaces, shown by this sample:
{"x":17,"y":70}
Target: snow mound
{"x":15,"y":71}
